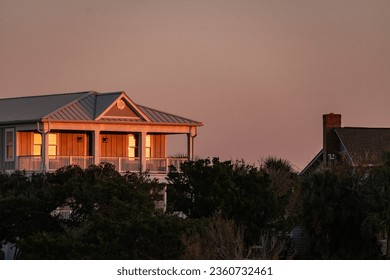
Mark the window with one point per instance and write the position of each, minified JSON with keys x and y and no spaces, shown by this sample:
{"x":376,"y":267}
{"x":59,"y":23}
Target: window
{"x":132,"y":146}
{"x":37,"y":149}
{"x":52,"y":145}
{"x":148,"y":151}
{"x":9,"y":145}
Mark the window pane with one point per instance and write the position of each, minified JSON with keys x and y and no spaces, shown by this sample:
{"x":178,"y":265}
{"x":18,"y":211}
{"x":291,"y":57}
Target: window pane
{"x":37,"y":150}
{"x":9,"y":145}
{"x":147,"y":152}
{"x":10,"y":138}
{"x":52,"y":150}
{"x":10,"y":152}
{"x":52,"y":139}
{"x":147,"y":141}
{"x":37,"y":139}
{"x":131,"y":152}
{"x":132,"y":140}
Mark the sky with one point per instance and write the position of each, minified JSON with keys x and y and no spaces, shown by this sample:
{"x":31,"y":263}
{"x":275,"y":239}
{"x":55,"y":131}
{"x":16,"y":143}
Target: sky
{"x":258,"y":74}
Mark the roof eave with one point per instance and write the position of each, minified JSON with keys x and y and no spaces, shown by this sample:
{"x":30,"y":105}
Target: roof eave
{"x":120,"y":122}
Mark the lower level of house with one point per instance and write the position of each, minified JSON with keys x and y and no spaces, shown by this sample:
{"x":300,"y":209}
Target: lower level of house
{"x":35,"y":151}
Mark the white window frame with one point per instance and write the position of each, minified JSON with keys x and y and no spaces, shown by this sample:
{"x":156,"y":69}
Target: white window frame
{"x":6,"y":131}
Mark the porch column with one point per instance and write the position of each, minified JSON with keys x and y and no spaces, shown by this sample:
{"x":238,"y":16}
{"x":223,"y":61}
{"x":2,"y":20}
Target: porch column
{"x":190,"y":146}
{"x":142,"y":150}
{"x":45,"y":152}
{"x":96,"y":146}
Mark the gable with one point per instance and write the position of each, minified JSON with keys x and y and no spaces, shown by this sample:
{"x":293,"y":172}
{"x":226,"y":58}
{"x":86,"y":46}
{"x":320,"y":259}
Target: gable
{"x":121,"y":110}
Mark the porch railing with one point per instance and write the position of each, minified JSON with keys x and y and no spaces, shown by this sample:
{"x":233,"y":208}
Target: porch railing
{"x":122,"y":164}
{"x":56,"y":162}
{"x":161,"y":165}
{"x":29,"y":163}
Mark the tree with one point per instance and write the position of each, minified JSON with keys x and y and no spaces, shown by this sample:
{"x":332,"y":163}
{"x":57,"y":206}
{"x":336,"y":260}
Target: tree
{"x":376,"y":198}
{"x":284,"y":183}
{"x":113,"y":216}
{"x":333,"y":215}
{"x":241,"y":192}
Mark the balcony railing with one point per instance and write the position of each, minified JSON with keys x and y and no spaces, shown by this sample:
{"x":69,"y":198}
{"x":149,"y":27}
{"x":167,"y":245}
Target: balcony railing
{"x":161,"y":165}
{"x":153,"y":165}
{"x":30,"y":163}
{"x":56,"y":162}
{"x":122,"y":164}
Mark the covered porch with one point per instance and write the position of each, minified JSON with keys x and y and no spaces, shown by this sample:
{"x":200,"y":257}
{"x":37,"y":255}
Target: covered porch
{"x":130,"y":149}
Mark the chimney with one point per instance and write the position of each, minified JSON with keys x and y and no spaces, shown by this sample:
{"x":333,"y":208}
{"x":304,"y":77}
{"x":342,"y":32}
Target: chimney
{"x":331,"y":143}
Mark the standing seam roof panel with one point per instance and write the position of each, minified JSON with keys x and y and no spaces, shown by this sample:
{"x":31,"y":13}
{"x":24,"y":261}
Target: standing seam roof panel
{"x":80,"y":113}
{"x":104,"y":101}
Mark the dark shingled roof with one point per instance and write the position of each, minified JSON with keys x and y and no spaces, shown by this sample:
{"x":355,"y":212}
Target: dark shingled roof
{"x":81,"y":106}
{"x":365,"y":145}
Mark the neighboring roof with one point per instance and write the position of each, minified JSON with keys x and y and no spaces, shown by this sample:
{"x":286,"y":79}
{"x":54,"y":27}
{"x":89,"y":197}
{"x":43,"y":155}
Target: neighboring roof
{"x":365,"y":145}
{"x":313,"y":164}
{"x":81,"y":106}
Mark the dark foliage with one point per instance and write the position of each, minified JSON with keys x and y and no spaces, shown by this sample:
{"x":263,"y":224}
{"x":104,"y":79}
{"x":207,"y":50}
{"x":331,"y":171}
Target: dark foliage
{"x":240,"y":192}
{"x":333,"y":214}
{"x":113,"y":216}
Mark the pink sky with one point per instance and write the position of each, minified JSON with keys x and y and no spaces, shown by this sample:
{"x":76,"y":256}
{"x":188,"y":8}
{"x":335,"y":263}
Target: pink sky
{"x":258,"y":74}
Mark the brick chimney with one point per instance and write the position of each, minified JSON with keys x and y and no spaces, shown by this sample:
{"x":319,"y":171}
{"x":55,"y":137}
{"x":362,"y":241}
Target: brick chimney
{"x":331,"y":143}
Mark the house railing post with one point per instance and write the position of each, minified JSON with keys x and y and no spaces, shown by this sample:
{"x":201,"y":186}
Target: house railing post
{"x":96,"y":146}
{"x":119,"y":164}
{"x":142,"y":150}
{"x":45,"y":147}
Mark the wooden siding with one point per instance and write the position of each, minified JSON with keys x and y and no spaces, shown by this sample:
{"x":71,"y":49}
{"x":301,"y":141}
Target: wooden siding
{"x":157,"y":143}
{"x":25,"y":140}
{"x":114,"y":146}
{"x":69,"y":145}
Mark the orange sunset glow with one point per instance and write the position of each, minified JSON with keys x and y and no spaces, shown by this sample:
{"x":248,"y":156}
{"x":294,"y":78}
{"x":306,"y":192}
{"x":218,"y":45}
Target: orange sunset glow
{"x":258,"y":74}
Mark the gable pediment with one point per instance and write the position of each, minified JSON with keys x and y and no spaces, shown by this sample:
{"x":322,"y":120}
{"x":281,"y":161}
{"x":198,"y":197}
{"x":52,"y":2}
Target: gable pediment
{"x":122,"y":108}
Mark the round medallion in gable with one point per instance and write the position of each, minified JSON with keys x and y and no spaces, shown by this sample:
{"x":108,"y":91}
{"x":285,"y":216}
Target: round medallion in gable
{"x":120,"y":104}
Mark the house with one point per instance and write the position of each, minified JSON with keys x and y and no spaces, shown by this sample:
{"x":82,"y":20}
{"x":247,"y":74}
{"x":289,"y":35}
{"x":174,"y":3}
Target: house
{"x":358,"y":146}
{"x":44,"y":133}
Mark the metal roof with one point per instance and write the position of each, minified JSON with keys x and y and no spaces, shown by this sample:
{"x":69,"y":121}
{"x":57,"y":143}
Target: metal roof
{"x":33,"y":108}
{"x":81,"y":106}
{"x":162,"y":117}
